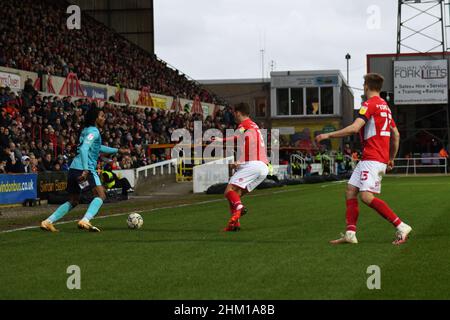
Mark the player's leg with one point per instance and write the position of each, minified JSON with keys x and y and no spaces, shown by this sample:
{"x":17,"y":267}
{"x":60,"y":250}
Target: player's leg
{"x":94,"y":206}
{"x":351,"y":214}
{"x":352,"y":208}
{"x":245,"y":180}
{"x":235,"y":188}
{"x":386,"y":212}
{"x":260,"y":172}
{"x":234,"y":194}
{"x":242,"y":193}
{"x":373,"y":176}
{"x":47,"y":225}
{"x":62,"y":210}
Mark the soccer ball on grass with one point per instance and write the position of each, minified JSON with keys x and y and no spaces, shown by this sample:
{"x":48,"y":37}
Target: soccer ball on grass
{"x":135,"y":221}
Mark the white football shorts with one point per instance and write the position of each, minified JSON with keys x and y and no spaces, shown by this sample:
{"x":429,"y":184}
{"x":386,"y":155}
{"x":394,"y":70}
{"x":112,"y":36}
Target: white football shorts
{"x":249,"y":175}
{"x":367,"y":176}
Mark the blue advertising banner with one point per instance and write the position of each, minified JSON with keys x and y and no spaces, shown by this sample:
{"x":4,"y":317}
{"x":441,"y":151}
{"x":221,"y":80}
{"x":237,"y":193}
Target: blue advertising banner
{"x":95,"y":92}
{"x":16,"y":188}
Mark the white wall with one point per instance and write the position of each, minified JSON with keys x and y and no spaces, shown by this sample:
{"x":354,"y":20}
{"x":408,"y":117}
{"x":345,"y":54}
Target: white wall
{"x":129,"y":174}
{"x":211,"y":173}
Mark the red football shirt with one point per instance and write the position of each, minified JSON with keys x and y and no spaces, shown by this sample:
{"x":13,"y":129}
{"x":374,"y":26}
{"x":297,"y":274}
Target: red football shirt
{"x":376,"y":133}
{"x":250,"y":142}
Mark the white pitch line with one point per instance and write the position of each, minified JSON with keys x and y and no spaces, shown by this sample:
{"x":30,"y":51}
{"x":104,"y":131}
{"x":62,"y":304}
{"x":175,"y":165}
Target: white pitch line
{"x":66,"y":222}
{"x":276,"y":192}
{"x":19,"y":229}
{"x":120,"y":214}
{"x":423,"y":183}
{"x":141,"y":211}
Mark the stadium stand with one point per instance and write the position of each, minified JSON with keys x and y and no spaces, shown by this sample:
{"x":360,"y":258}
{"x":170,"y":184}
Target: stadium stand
{"x":35,"y":38}
{"x":40,"y":133}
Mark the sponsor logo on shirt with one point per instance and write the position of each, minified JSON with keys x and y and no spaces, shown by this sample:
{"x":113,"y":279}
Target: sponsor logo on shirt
{"x":363,"y":110}
{"x":90,"y":136}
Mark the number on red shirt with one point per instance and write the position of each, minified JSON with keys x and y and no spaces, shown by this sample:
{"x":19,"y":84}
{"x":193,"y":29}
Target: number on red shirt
{"x":364,"y":175}
{"x":386,"y":130}
{"x":261,"y":139}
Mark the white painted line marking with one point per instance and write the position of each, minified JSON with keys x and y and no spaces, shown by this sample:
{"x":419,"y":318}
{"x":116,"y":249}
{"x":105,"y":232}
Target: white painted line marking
{"x":150,"y":210}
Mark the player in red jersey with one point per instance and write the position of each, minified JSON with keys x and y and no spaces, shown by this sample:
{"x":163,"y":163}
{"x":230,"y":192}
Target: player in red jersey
{"x":251,"y":166}
{"x":380,"y":140}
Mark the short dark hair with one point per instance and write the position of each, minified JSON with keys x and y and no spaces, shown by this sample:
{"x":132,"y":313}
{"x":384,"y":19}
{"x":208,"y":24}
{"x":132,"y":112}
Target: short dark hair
{"x":243,"y":108}
{"x":91,"y":115}
{"x":374,"y":81}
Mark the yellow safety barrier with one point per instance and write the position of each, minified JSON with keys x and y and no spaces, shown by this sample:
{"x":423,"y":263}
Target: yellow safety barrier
{"x":185,"y":171}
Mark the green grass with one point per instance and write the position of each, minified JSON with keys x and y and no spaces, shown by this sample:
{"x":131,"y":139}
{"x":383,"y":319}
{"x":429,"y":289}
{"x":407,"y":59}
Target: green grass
{"x":281,"y":253}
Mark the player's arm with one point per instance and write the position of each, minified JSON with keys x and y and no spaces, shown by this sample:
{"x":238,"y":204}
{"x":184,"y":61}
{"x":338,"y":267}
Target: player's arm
{"x":395,"y":144}
{"x":355,"y":127}
{"x":232,"y":138}
{"x":109,"y":150}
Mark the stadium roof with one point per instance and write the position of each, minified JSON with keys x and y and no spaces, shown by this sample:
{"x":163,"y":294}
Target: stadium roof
{"x":234,"y":81}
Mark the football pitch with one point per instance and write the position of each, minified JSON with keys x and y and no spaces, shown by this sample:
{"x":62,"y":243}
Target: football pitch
{"x":282,"y":251}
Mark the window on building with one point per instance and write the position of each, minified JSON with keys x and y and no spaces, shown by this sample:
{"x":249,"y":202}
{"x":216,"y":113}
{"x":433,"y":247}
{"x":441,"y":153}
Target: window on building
{"x":283,"y":102}
{"x":261,"y":106}
{"x":297,"y":101}
{"x":312,"y":101}
{"x":326,"y":100}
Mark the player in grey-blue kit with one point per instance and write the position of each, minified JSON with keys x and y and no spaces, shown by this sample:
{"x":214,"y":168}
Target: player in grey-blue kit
{"x":83,"y":173}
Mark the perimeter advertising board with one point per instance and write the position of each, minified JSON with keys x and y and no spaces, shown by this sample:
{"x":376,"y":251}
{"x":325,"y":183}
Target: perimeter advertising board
{"x":421,"y":82}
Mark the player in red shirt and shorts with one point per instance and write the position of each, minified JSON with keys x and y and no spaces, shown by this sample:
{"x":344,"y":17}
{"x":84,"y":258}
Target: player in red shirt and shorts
{"x":380,"y":140}
{"x":251,"y":166}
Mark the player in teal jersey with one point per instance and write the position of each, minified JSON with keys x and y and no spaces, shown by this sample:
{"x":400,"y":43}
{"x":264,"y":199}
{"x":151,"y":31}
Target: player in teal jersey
{"x":83,"y":174}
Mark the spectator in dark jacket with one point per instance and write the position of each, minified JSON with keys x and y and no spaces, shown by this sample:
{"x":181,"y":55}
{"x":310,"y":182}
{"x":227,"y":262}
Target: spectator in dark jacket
{"x":4,"y":137}
{"x":13,"y":165}
{"x":46,"y":163}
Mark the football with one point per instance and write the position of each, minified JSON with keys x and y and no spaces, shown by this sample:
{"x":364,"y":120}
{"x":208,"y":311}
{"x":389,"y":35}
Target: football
{"x":135,"y":221}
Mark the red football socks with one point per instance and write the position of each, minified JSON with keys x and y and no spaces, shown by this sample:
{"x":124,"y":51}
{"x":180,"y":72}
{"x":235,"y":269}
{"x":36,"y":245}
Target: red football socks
{"x":235,"y":201}
{"x":352,"y":214}
{"x":383,"y":209}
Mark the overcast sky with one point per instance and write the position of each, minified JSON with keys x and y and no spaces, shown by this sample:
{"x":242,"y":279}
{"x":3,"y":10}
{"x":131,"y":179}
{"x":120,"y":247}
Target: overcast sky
{"x":222,"y":39}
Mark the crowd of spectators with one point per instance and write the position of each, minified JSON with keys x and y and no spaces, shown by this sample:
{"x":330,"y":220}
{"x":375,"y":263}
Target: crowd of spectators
{"x":35,"y":37}
{"x":40,"y":133}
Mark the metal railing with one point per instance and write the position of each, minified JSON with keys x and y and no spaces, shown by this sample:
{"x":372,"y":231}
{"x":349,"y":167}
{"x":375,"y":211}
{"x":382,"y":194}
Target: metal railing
{"x":409,"y":164}
{"x":164,"y":165}
{"x":185,"y":166}
{"x":421,"y":163}
{"x":301,"y":160}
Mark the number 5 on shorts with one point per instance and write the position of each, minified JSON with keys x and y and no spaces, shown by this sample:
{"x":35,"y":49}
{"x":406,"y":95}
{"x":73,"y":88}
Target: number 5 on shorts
{"x":364,"y":175}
